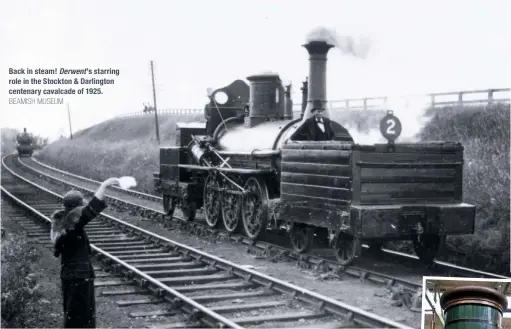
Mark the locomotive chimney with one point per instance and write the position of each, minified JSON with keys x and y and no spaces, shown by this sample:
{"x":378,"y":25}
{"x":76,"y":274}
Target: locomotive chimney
{"x":317,"y":75}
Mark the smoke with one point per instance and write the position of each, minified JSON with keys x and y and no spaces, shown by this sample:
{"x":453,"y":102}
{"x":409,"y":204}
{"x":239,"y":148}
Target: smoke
{"x":358,"y":47}
{"x":411,"y":112}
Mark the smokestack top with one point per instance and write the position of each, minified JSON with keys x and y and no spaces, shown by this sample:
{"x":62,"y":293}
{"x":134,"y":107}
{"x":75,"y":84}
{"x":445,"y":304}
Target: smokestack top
{"x":317,"y":47}
{"x":475,"y":294}
{"x":264,"y":76}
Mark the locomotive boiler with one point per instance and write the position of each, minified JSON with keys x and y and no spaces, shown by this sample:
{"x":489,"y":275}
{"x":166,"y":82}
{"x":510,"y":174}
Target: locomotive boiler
{"x":24,"y":144}
{"x":258,"y":171}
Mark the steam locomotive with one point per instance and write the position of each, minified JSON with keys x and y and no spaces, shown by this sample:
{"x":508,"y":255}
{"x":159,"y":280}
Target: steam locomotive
{"x":24,"y":144}
{"x":259,"y":172}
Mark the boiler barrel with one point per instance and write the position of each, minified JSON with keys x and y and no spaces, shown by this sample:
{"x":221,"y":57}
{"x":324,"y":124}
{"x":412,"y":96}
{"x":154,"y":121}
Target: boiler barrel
{"x":473,"y":307}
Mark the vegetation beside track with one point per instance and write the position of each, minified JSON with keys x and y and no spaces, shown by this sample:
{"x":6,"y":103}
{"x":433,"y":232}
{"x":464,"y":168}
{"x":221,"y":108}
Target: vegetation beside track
{"x":128,"y":147}
{"x":31,"y":296}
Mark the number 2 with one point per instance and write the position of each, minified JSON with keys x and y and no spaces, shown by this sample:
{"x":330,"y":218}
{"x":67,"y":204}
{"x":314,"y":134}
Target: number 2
{"x":390,"y":128}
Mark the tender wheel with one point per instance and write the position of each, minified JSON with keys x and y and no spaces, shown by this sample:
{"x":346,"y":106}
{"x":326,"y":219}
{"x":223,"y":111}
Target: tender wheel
{"x":212,"y":201}
{"x":231,"y":212}
{"x":347,"y":248}
{"x":169,"y":205}
{"x":427,"y":247}
{"x":254,"y":209}
{"x":302,"y":237}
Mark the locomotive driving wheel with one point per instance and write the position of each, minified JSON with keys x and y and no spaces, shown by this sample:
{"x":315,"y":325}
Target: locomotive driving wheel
{"x":254,"y":210}
{"x":302,"y":237}
{"x":169,"y":205}
{"x":231,"y":212}
{"x":347,"y":248}
{"x":212,"y":201}
{"x":426,"y":247}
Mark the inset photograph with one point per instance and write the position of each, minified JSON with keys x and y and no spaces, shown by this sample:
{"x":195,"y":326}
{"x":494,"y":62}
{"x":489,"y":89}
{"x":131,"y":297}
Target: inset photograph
{"x":469,"y":303}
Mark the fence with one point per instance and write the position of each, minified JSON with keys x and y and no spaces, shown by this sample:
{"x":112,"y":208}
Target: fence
{"x":433,"y":100}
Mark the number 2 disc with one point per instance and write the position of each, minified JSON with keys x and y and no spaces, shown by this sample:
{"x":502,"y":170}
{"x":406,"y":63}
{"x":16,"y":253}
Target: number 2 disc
{"x":390,"y":127}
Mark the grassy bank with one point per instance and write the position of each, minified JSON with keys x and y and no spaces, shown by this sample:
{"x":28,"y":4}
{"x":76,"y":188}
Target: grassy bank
{"x":30,"y":282}
{"x":128,"y":147}
{"x":8,"y":139}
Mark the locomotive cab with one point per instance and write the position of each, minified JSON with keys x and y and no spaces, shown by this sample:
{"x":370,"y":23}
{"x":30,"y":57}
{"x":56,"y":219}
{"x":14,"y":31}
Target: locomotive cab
{"x":227,"y":103}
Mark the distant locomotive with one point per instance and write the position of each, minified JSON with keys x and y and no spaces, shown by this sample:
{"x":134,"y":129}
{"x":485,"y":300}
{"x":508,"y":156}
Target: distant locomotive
{"x":258,"y":171}
{"x":25,"y":144}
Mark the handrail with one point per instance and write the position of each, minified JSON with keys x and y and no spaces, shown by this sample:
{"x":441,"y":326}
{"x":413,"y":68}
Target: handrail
{"x":348,"y":102}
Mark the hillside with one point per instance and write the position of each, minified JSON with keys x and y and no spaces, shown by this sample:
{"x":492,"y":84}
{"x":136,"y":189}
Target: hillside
{"x":128,"y":147}
{"x":8,"y":140}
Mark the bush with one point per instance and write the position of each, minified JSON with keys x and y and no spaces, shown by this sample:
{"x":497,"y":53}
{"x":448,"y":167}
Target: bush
{"x":485,"y":135}
{"x":19,"y":289}
{"x":125,"y":146}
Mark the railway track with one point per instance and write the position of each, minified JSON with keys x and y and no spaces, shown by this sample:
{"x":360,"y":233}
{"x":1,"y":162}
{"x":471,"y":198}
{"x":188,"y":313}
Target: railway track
{"x":110,"y":288}
{"x":407,"y":288}
{"x":412,"y":260}
{"x":209,"y":290}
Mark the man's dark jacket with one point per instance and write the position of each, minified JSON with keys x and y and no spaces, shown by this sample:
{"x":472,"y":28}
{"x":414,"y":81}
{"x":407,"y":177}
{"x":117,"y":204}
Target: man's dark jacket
{"x":77,"y":273}
{"x":314,"y":133}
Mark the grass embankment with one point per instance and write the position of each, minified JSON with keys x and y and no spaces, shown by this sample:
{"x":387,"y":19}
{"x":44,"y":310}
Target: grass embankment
{"x":30,"y":282}
{"x":8,"y":140}
{"x":128,"y":147}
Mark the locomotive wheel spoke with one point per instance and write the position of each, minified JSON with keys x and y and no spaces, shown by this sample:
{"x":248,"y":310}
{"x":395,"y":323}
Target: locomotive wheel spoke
{"x":347,"y":248}
{"x":231,"y":212}
{"x":212,"y":201}
{"x":255,"y":211}
{"x":302,"y":237}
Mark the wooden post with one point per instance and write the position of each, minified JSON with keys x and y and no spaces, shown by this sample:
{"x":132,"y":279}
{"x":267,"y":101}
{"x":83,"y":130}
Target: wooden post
{"x":460,"y":98}
{"x":432,"y":100}
{"x":490,"y":96}
{"x":347,"y":104}
{"x":155,"y":110}
{"x":69,"y":119}
{"x":365,"y":104}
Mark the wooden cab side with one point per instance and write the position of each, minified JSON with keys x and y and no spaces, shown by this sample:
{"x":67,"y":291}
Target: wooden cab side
{"x":315,"y":182}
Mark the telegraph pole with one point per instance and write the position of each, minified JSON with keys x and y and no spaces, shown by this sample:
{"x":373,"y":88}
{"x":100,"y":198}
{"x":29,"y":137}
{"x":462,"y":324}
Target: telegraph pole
{"x":155,"y":110}
{"x":69,"y":118}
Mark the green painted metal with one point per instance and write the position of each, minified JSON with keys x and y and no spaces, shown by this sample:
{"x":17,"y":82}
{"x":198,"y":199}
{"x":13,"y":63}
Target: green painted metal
{"x":473,"y":307}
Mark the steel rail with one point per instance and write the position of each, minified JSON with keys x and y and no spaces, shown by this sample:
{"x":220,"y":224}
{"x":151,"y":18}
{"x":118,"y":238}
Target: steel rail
{"x":115,"y":188}
{"x":355,"y":315}
{"x":351,"y":270}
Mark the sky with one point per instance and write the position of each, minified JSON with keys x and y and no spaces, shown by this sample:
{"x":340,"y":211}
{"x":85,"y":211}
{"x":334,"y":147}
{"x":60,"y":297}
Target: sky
{"x":417,"y":47}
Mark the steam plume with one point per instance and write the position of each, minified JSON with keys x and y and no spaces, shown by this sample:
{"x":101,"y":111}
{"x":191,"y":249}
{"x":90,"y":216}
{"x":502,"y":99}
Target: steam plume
{"x":411,"y":111}
{"x":347,"y":44}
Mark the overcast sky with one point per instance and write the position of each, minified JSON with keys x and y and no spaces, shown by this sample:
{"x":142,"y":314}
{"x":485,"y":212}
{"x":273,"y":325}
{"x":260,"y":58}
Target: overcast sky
{"x":417,"y":47}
